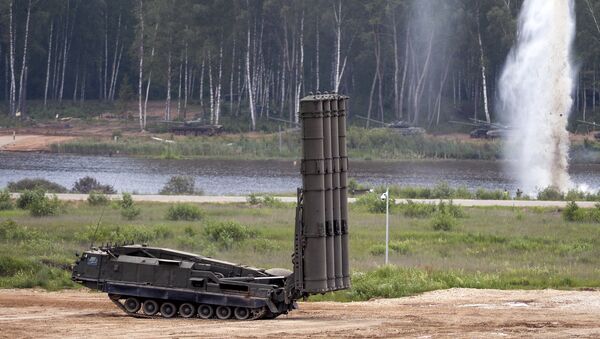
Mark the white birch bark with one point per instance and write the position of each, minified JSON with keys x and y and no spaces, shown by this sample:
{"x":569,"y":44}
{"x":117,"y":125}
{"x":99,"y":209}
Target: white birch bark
{"x":48,"y":65}
{"x":249,"y":81}
{"x":22,"y":92}
{"x":141,"y":67}
{"x":13,"y":83}
{"x":483,"y":76}
{"x":300,"y":79}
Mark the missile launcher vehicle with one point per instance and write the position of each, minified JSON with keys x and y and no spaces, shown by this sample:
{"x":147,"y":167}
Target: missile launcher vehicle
{"x":148,"y":281}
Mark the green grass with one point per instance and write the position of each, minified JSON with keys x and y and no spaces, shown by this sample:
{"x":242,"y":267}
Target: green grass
{"x":383,"y":144}
{"x":486,"y":248}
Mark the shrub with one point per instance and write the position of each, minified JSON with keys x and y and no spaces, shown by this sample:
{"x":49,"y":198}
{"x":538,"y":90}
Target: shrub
{"x":10,"y":230}
{"x":36,"y":184}
{"x":97,"y":198}
{"x":374,"y":204}
{"x":27,"y":197}
{"x":5,"y":201}
{"x":184,"y":212}
{"x":451,"y":209}
{"x":417,"y":210}
{"x":443,"y":222}
{"x":483,"y":194}
{"x":550,"y":194}
{"x":400,"y":247}
{"x":571,"y":212}
{"x":45,"y":206}
{"x":377,"y":250}
{"x":264,"y":200}
{"x":128,"y":209}
{"x":253,"y":199}
{"x":88,"y":184}
{"x":442,"y":191}
{"x":227,"y":233}
{"x":179,"y":185}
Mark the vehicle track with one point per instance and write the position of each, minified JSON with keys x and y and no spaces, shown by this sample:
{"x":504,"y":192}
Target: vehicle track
{"x":465,"y":313}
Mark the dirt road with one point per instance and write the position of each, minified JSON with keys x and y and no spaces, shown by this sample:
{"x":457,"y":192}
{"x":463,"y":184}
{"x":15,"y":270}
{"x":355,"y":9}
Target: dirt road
{"x":464,"y":313}
{"x":215,"y":199}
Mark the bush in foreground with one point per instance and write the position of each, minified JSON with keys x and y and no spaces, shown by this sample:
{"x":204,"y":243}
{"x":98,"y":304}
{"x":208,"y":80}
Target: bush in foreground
{"x":128,"y":208}
{"x":187,"y":212}
{"x":227,"y":233}
{"x":38,"y":204}
{"x":36,"y":184}
{"x":5,"y":201}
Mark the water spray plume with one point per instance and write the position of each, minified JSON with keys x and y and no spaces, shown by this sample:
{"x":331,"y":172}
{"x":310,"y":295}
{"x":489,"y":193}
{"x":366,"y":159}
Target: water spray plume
{"x":535,"y":92}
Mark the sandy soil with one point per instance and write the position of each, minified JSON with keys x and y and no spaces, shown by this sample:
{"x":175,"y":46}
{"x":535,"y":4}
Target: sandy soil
{"x":29,"y":143}
{"x":451,"y":313}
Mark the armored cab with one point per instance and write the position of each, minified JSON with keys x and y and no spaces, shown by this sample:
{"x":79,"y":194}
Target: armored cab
{"x":146,"y":281}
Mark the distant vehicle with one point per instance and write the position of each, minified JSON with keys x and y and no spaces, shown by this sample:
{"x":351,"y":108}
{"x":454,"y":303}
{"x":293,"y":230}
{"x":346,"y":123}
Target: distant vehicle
{"x":484,"y":129}
{"x":193,"y":127}
{"x":593,"y":124}
{"x":400,"y":126}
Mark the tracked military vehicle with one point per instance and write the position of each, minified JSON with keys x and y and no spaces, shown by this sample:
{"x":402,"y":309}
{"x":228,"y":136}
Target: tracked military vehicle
{"x":147,"y":281}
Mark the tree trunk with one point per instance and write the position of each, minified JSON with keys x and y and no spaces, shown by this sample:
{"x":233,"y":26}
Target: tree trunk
{"x":168,"y":100}
{"x":483,"y":75}
{"x":48,"y":65}
{"x":249,"y":81}
{"x":141,"y":68}
{"x":150,"y":73}
{"x":13,"y":83}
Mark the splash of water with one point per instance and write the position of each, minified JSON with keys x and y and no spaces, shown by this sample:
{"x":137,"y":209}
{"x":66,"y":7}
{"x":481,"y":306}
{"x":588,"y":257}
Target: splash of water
{"x":535,"y":94}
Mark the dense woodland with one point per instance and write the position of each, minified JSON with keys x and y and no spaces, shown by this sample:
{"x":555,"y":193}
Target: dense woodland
{"x":423,"y":61}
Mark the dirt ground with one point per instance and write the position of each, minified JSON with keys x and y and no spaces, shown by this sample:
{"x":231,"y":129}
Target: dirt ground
{"x":29,"y":143}
{"x":462,"y":313}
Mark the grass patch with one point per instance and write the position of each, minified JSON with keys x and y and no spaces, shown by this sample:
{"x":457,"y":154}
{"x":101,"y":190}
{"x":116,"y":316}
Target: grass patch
{"x":534,"y":250}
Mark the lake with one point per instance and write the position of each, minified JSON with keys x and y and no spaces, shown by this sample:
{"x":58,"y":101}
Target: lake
{"x":240,"y":177}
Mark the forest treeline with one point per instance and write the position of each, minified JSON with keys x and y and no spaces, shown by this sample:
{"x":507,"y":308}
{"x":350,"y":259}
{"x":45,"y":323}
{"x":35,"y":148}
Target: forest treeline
{"x":422,"y":61}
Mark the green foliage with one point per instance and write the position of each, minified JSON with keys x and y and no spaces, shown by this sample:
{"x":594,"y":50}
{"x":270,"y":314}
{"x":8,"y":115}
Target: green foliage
{"x":45,"y":206}
{"x":97,"y":199}
{"x":574,"y":213}
{"x":123,"y":234}
{"x":184,"y":212}
{"x":395,"y":247}
{"x":443,"y":222}
{"x":417,"y":210}
{"x":483,"y":194}
{"x":179,"y":185}
{"x":6,"y":202}
{"x":550,"y":194}
{"x":373,"y":203}
{"x":264,"y":201}
{"x":38,"y":204}
{"x":129,"y":210}
{"x":227,"y":233}
{"x":36,"y":184}
{"x":27,"y":197}
{"x":88,"y":184}
{"x":10,"y":230}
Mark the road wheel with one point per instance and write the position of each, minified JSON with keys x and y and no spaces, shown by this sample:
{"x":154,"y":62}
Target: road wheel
{"x":223,"y":312}
{"x":132,"y":305}
{"x":168,"y":310}
{"x":150,"y":307}
{"x":241,"y":313}
{"x":187,"y":310}
{"x":206,"y":311}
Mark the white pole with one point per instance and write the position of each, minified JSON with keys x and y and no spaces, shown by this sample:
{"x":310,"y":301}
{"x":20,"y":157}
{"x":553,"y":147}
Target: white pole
{"x":387,"y":224}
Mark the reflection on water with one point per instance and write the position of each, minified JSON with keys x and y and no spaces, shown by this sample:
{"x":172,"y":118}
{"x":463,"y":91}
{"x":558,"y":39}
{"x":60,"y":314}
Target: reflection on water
{"x":236,"y":177}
